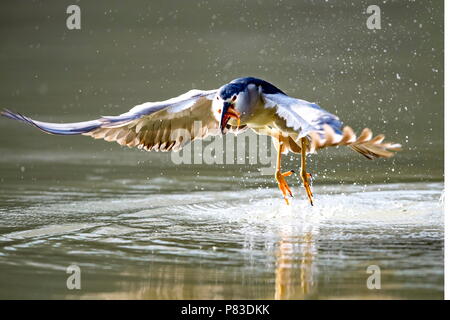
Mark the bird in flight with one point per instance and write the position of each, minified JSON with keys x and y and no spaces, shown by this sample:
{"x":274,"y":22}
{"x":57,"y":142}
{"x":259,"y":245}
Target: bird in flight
{"x":295,"y":125}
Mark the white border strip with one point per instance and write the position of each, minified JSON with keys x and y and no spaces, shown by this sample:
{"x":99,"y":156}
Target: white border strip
{"x":446,"y":148}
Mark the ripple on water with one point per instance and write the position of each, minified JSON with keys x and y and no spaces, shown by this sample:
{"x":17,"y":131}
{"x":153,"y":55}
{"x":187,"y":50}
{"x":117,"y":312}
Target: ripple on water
{"x":249,"y":230}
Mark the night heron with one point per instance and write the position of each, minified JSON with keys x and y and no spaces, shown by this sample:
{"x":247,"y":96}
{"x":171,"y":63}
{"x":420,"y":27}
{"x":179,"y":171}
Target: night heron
{"x":295,"y":125}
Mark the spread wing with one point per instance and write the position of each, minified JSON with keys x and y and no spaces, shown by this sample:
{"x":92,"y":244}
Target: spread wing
{"x":165,"y":125}
{"x":324,"y":129}
{"x":300,"y":115}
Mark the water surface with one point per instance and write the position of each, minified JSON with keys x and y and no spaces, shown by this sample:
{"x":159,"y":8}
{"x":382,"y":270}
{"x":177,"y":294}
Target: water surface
{"x":140,"y":226}
{"x":132,"y":240}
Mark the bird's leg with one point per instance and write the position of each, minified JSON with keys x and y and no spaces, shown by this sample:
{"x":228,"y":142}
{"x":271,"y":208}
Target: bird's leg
{"x":306,"y":176}
{"x":279,"y":176}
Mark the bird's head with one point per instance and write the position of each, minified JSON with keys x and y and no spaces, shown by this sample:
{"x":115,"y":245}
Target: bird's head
{"x":227,"y":104}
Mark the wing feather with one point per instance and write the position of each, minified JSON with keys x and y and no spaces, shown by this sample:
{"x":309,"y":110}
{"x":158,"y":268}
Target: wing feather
{"x":165,"y":125}
{"x":325,"y":129}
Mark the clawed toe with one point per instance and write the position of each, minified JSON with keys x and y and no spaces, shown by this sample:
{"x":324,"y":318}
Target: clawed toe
{"x":288,"y":173}
{"x":283,"y":186}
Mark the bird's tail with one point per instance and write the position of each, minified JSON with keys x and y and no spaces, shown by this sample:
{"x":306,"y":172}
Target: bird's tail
{"x":55,"y":128}
{"x":369,"y":147}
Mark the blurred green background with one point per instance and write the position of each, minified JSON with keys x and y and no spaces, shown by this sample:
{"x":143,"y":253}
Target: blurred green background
{"x":140,"y":226}
{"x":390,"y":80}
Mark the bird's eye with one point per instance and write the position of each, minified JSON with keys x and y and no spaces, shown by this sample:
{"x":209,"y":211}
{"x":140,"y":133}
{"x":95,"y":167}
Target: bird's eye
{"x":217,"y":98}
{"x":219,"y":111}
{"x":234,"y":98}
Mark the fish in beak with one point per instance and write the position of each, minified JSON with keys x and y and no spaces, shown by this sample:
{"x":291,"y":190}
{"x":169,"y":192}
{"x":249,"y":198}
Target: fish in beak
{"x":229,"y":112}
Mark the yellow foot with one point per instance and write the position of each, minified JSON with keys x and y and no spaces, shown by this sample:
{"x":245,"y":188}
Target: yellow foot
{"x":282,"y":184}
{"x":306,"y":177}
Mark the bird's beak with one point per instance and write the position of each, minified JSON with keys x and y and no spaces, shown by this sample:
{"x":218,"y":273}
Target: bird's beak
{"x":229,"y":112}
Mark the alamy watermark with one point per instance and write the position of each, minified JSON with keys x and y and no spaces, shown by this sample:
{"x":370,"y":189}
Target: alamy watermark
{"x":245,"y":148}
{"x":73,"y":21}
{"x":74,"y":280}
{"x":374,"y":280}
{"x":374,"y":20}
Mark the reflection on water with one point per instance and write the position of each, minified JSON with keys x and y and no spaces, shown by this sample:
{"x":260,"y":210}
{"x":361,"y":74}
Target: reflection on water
{"x":294,"y":273}
{"x":221,"y":245}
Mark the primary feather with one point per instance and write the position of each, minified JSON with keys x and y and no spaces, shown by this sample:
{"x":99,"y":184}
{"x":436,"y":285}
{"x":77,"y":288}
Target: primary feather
{"x":325,"y":129}
{"x":162,"y":126}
